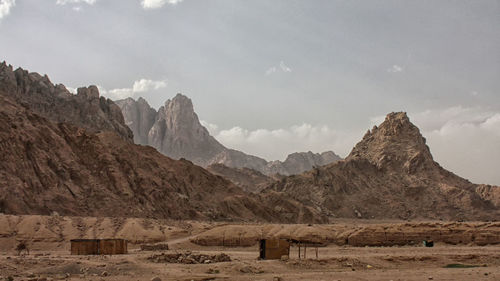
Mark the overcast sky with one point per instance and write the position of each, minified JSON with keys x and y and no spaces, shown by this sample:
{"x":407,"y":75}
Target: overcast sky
{"x":274,"y":77}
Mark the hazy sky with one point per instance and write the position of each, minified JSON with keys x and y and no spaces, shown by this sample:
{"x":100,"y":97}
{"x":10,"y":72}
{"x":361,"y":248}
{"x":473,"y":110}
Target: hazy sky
{"x":274,"y":77}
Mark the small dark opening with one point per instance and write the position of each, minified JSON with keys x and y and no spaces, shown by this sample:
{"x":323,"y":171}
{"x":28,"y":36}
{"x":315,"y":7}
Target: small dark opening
{"x":263,"y":249}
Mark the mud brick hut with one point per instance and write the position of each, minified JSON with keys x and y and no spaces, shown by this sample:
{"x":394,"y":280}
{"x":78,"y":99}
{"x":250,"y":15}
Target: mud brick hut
{"x":98,"y":246}
{"x":274,"y":248}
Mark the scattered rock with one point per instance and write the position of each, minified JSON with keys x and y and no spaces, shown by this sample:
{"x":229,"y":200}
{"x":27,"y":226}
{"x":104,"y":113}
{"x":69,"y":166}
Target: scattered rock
{"x":213,"y":271}
{"x":251,"y":269}
{"x":156,"y":279}
{"x":188,"y":258}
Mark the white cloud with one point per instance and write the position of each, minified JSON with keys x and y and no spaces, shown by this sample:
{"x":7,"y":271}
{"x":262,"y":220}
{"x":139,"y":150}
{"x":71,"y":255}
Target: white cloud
{"x":120,"y":93}
{"x":213,"y":129}
{"x":5,"y":6}
{"x":139,"y":86}
{"x":155,"y":4}
{"x":145,"y":85}
{"x":271,"y":70}
{"x":282,"y":66}
{"x":278,"y":143}
{"x":71,"y":89}
{"x":395,"y":69}
{"x":64,"y":2}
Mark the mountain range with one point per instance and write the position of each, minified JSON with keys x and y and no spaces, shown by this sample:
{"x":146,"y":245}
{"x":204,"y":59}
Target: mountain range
{"x":176,"y":131}
{"x":74,"y":155}
{"x":84,"y":163}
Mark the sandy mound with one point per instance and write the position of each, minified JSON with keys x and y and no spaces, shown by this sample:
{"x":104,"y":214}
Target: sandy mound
{"x":410,"y":233}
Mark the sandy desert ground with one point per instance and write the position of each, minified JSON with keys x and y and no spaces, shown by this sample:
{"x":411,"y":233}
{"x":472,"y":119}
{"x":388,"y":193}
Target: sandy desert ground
{"x":50,"y":259}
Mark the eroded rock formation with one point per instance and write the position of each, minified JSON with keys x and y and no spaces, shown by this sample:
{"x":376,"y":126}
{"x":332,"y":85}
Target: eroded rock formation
{"x":390,"y":173}
{"x":54,"y":102}
{"x":177,"y":132}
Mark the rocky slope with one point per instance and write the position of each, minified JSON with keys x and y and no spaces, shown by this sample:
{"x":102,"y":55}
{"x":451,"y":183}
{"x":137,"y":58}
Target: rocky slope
{"x":54,"y":102}
{"x":390,"y":173}
{"x":248,"y":179}
{"x":50,"y":167}
{"x":176,"y":132}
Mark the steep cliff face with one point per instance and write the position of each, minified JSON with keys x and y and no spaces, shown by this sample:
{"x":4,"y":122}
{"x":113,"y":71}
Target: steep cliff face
{"x":390,"y":173}
{"x":139,"y":117}
{"x":178,"y":133}
{"x":54,"y":102}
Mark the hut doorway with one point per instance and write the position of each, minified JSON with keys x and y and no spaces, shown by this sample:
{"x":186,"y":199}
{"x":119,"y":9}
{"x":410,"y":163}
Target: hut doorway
{"x":262,"y":249}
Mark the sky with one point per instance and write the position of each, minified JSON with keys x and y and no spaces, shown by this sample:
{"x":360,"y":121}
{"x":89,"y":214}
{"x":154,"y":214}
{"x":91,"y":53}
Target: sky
{"x":275,"y":77}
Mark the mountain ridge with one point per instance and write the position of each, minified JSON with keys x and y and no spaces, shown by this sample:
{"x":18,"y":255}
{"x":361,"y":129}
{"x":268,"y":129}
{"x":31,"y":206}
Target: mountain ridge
{"x":390,"y":173}
{"x":49,"y":166}
{"x":86,"y":109}
{"x":178,"y":133}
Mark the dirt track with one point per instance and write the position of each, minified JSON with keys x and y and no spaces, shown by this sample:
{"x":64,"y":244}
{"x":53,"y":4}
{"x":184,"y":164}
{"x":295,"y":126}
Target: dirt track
{"x":334,"y":263}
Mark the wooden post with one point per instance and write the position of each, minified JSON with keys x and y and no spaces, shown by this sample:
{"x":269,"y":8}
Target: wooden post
{"x":316,"y":252}
{"x":305,"y":250}
{"x":299,"y":250}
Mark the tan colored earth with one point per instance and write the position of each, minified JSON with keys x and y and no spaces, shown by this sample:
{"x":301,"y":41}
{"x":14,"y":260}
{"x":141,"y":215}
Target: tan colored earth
{"x":48,"y":239}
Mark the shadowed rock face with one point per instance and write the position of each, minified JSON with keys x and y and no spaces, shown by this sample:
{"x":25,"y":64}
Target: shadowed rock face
{"x":54,"y":102}
{"x":390,"y":173}
{"x":139,"y":117}
{"x":177,"y":133}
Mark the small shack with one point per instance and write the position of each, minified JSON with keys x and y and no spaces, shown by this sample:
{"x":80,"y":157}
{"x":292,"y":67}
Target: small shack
{"x":98,"y":246}
{"x":271,"y":249}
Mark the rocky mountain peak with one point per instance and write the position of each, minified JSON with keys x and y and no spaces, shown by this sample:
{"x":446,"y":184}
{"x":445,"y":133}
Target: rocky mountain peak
{"x":90,"y":92}
{"x":179,"y":114}
{"x":54,"y":102}
{"x":395,"y":144}
{"x":176,"y":131}
{"x":140,"y":100}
